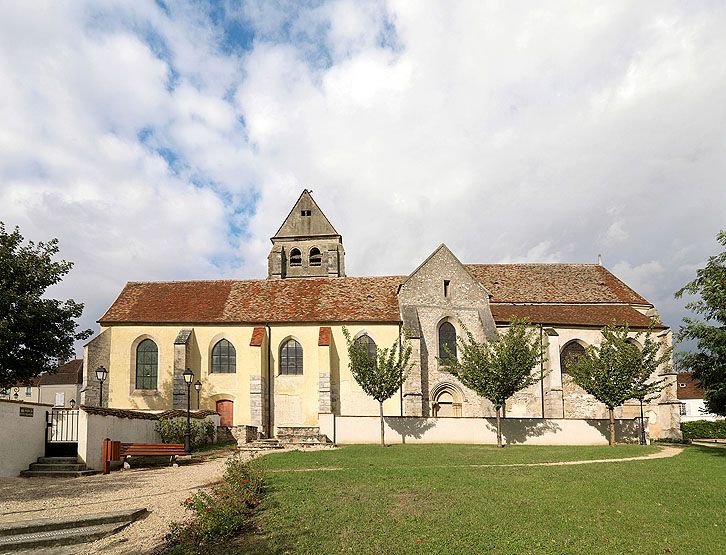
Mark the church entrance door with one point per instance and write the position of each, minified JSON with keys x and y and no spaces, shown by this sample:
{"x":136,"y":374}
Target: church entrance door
{"x":226,"y":412}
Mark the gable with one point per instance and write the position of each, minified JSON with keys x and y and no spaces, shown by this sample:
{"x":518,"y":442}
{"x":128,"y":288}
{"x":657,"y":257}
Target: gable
{"x":305,"y":220}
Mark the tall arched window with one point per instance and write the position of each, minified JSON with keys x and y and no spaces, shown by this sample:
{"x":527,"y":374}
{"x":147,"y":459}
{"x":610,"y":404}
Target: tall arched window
{"x":572,"y":351}
{"x":366,"y":341}
{"x":147,"y":364}
{"x":291,"y":358}
{"x":224,"y":358}
{"x":295,"y":257}
{"x":316,"y":259}
{"x":447,"y":341}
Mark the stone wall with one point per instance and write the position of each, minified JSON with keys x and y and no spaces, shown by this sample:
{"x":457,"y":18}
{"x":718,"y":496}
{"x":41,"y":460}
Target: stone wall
{"x":96,"y":352}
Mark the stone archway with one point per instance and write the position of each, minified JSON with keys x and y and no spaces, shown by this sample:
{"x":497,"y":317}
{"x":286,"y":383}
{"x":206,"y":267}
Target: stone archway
{"x":446,"y":401}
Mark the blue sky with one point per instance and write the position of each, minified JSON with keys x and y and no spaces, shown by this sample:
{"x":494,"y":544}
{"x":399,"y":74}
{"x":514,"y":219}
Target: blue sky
{"x":168,"y":140}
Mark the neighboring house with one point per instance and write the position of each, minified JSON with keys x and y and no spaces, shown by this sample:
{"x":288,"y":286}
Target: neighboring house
{"x":690,"y":395}
{"x":271,"y":352}
{"x":63,"y":385}
{"x":29,"y":392}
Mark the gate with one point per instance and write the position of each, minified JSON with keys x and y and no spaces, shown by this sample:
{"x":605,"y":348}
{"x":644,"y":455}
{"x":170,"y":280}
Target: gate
{"x":61,"y":435}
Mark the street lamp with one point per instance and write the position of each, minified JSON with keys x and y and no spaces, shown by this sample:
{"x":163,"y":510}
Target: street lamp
{"x":188,"y":377}
{"x":198,"y":387}
{"x":101,"y":374}
{"x":72,"y":403}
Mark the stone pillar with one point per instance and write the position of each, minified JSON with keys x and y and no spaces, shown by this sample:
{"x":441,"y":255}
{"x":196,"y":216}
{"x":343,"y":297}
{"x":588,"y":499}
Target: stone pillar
{"x":275,"y":263}
{"x":96,"y":352}
{"x":181,"y":360}
{"x":258,"y":380}
{"x":554,"y":405}
{"x":325,"y":391}
{"x":412,"y":392}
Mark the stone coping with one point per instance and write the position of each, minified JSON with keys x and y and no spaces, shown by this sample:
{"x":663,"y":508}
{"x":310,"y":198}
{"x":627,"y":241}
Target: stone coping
{"x":143,"y":415}
{"x":19,"y":402}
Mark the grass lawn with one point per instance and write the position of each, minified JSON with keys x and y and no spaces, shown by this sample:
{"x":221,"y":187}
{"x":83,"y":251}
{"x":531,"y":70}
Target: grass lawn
{"x":422,"y":499}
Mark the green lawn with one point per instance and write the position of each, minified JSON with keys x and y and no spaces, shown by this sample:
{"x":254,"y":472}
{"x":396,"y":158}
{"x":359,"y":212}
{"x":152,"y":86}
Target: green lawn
{"x":424,"y":499}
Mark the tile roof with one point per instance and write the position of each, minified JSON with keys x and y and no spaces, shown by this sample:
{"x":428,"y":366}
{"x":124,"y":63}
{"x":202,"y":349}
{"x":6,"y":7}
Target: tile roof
{"x":585,"y":294}
{"x":553,"y":283}
{"x":67,"y":374}
{"x":572,"y":314}
{"x":692,"y":389}
{"x":258,"y":335}
{"x":324,"y":336}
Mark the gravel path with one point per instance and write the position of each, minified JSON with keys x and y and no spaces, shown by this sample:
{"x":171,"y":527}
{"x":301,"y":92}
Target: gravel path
{"x":160,"y":490}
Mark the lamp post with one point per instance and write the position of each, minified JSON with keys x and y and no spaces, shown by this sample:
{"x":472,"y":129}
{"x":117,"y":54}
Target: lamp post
{"x":188,"y":377}
{"x":198,"y":387}
{"x":101,"y":374}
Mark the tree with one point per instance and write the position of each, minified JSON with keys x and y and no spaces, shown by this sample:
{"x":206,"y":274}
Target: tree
{"x":708,"y":361}
{"x":34,"y":331}
{"x":496,"y":370}
{"x":616,"y":370}
{"x":379,"y":375}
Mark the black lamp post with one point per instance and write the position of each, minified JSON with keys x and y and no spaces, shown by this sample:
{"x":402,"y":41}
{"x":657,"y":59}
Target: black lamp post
{"x":198,"y":387}
{"x":188,"y":377}
{"x":101,"y":374}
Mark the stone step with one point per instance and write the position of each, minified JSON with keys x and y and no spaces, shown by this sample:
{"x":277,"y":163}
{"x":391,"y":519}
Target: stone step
{"x":63,"y":523}
{"x":57,"y":473}
{"x":58,"y":460}
{"x":57,"y":466}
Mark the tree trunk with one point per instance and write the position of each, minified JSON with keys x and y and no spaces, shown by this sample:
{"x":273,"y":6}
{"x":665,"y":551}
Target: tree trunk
{"x":499,"y":429}
{"x":612,"y":427}
{"x":383,"y":441}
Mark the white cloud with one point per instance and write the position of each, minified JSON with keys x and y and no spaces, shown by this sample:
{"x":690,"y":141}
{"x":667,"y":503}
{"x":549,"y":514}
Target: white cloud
{"x":543,"y":134}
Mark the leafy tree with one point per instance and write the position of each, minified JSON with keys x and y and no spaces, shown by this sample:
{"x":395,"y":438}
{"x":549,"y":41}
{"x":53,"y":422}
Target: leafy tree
{"x":34,"y":331}
{"x":616,"y":370}
{"x":380,"y":376}
{"x":496,"y":370}
{"x":708,"y":362}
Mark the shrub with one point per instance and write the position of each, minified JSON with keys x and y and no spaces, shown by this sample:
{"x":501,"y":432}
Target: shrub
{"x":172,"y":430}
{"x":704,"y":429}
{"x":223,"y":512}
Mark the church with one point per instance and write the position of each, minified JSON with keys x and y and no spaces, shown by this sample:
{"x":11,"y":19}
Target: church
{"x":270,"y":353}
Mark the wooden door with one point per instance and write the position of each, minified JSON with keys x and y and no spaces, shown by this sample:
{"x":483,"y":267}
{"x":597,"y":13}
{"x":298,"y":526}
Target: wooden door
{"x":226,"y":411}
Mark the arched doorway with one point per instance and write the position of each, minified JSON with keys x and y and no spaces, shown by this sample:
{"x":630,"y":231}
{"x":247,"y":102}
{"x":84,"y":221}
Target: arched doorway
{"x":447,"y":403}
{"x":225,"y":409}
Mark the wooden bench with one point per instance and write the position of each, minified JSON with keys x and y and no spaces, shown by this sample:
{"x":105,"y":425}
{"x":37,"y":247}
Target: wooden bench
{"x":117,"y":451}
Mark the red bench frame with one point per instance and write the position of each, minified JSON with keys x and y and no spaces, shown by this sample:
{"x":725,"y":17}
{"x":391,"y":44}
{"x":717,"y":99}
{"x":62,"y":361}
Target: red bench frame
{"x":116,"y":451}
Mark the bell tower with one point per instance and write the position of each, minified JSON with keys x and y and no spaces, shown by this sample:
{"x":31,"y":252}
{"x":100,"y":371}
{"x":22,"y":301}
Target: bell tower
{"x":306,"y":245}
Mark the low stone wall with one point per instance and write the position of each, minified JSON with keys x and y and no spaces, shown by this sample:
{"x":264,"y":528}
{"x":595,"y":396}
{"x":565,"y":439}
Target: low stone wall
{"x":516,"y":431}
{"x":22,"y":435}
{"x":244,"y":434}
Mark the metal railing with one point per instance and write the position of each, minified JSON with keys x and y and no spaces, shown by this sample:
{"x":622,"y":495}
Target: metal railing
{"x":62,"y":425}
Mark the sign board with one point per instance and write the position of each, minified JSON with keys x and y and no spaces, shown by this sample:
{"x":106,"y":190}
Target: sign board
{"x":26,"y":411}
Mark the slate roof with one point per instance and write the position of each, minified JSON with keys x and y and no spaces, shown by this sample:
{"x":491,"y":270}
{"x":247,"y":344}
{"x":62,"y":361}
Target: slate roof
{"x":567,"y":294}
{"x":692,"y":389}
{"x":70,"y":373}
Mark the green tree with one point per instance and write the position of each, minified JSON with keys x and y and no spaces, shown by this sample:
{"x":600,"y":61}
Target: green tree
{"x":616,"y":370}
{"x":34,"y":331}
{"x":708,"y":361}
{"x":379,"y":375}
{"x":496,"y":370}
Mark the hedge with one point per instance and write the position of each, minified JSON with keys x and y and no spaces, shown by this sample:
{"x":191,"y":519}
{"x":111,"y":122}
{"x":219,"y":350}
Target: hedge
{"x":704,"y":429}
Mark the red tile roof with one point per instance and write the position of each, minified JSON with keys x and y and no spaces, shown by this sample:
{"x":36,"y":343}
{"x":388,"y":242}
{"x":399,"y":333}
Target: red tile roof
{"x":584,"y":294}
{"x":69,"y":373}
{"x":692,"y":389}
{"x":258,"y":334}
{"x":324,"y":336}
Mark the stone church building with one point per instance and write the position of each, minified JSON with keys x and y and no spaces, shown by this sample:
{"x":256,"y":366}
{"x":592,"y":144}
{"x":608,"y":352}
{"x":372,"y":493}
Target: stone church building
{"x":271,"y":352}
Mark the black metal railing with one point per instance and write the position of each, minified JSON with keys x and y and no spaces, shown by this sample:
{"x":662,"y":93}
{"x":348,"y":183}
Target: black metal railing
{"x":62,"y":425}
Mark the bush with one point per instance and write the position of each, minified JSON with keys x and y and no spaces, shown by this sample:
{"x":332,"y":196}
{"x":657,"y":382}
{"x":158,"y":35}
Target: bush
{"x":172,"y":430}
{"x":704,"y":429}
{"x":222,"y":513}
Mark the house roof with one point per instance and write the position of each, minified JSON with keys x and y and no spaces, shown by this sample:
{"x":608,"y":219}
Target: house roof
{"x":70,"y":373}
{"x":565,"y":294}
{"x":691,"y":389}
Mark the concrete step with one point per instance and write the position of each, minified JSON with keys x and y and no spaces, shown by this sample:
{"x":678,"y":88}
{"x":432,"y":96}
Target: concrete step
{"x":58,"y":460}
{"x":29,"y":535}
{"x":57,"y":473}
{"x":57,"y":466}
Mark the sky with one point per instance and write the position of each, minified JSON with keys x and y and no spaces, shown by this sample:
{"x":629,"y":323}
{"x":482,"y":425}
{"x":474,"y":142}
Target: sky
{"x":169,"y":140}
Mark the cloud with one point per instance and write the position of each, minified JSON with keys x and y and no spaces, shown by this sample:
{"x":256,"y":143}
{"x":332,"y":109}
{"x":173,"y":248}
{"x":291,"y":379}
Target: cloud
{"x":169,"y":140}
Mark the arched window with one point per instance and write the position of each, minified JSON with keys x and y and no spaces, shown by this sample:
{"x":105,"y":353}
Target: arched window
{"x":368,"y":344}
{"x":316,"y":259}
{"x":224,"y":358}
{"x":572,"y":351}
{"x":291,"y":358}
{"x":295,"y":257}
{"x":147,"y":364}
{"x":447,"y":341}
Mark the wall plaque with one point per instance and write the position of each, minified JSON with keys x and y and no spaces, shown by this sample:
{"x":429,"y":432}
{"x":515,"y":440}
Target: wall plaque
{"x":26,"y":411}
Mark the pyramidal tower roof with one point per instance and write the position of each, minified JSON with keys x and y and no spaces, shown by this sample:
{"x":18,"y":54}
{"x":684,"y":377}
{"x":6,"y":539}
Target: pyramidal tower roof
{"x":305,"y":220}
